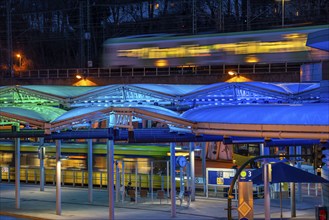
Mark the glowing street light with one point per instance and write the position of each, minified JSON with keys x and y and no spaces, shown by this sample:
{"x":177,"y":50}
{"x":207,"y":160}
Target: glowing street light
{"x":19,"y":59}
{"x":282,"y":9}
{"x":232,"y":73}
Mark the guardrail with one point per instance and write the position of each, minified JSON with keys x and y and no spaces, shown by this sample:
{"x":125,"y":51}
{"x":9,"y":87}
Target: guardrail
{"x":79,"y":178}
{"x":245,"y":69}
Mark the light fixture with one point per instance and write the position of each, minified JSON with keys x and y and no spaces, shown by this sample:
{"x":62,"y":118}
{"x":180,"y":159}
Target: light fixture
{"x":232,"y":73}
{"x":19,"y":56}
{"x":78,"y":76}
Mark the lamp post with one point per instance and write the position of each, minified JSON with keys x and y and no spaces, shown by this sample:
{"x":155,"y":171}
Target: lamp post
{"x":282,"y":10}
{"x":19,"y":59}
{"x":235,"y":75}
{"x":232,"y":73}
{"x":282,"y":13}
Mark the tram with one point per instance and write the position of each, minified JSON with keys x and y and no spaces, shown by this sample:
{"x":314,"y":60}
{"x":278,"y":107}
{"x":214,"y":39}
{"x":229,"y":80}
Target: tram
{"x":163,"y":50}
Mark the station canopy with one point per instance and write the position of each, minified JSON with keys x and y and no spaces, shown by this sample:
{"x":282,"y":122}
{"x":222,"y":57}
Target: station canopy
{"x":195,"y":108}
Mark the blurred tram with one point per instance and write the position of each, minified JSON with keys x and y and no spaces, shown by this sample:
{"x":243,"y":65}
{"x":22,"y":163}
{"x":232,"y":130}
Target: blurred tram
{"x":254,"y":47}
{"x":74,"y":162}
{"x":76,"y":153}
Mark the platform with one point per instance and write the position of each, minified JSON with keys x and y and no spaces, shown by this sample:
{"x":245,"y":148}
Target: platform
{"x":42,"y":205}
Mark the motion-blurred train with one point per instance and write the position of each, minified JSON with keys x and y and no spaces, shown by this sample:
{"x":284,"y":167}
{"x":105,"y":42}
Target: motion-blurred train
{"x":74,"y":164}
{"x":163,"y":50}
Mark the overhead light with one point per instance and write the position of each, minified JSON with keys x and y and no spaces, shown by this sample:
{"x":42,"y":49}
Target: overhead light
{"x":232,"y":73}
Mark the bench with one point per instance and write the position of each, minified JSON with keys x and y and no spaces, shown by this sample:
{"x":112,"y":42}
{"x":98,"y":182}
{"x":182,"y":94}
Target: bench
{"x":143,"y":194}
{"x":131,"y":194}
{"x":160,"y":195}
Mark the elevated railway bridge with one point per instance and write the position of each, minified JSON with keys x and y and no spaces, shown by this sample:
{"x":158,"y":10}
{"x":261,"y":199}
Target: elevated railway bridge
{"x":273,"y":72}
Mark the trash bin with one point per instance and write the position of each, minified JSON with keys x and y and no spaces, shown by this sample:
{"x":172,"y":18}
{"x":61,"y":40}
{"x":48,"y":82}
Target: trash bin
{"x":321,"y":213}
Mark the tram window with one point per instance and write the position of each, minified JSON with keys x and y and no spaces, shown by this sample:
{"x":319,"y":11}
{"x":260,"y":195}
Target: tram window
{"x":246,"y":149}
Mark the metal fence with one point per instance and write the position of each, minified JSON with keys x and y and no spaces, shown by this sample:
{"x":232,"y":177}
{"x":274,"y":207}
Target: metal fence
{"x":79,"y":178}
{"x":243,"y":69}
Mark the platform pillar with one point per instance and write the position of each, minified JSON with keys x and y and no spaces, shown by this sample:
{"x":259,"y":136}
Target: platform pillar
{"x":173,"y":181}
{"x":42,"y":152}
{"x":90,"y":170}
{"x":192,"y":169}
{"x":203,"y":156}
{"x":58,"y":178}
{"x":299,"y":166}
{"x":17,"y":169}
{"x":110,"y":177}
{"x":123,"y":180}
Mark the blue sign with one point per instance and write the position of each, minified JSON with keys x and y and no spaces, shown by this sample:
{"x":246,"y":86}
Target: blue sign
{"x":218,"y":178}
{"x":246,"y":175}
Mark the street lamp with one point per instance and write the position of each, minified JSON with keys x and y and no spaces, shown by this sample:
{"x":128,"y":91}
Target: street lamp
{"x":232,"y":73}
{"x":19,"y":59}
{"x":282,"y":10}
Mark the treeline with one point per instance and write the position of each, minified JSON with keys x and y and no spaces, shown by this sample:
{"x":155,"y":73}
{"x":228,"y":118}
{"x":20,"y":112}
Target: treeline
{"x":69,"y":33}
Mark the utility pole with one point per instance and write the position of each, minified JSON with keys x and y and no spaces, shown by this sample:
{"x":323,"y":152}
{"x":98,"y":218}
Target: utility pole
{"x":282,"y":13}
{"x":248,"y":15}
{"x":221,"y":16}
{"x":9,"y":39}
{"x":82,"y":32}
{"x":88,"y":36}
{"x":194,"y":18}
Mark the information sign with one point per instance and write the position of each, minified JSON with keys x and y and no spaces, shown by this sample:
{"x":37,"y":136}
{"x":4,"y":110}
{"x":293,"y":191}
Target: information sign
{"x":246,"y":175}
{"x":220,"y":176}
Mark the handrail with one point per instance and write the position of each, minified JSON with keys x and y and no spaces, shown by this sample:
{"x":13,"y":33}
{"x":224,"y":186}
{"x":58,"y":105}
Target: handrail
{"x":242,"y":69}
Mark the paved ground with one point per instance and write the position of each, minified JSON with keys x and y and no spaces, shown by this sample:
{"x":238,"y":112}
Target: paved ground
{"x":75,"y":205}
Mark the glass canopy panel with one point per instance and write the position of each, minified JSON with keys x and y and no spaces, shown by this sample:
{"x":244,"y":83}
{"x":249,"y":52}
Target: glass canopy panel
{"x":78,"y":112}
{"x":266,"y":87}
{"x":234,"y":94}
{"x":49,"y":113}
{"x":62,"y":91}
{"x":169,"y":89}
{"x":159,"y":110}
{"x":25,"y":113}
{"x":295,"y":88}
{"x":14,"y":98}
{"x":307,"y":114}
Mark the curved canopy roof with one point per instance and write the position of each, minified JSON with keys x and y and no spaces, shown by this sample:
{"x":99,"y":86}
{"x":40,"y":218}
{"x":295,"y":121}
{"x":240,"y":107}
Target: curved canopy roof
{"x":319,"y":39}
{"x":308,"y":114}
{"x":289,"y":110}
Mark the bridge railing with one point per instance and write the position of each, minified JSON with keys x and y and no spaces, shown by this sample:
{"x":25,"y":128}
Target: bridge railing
{"x":243,"y":69}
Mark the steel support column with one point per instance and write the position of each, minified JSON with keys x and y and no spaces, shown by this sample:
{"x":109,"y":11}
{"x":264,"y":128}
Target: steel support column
{"x":192,"y":169}
{"x":117,"y":182}
{"x":267,"y":204}
{"x":267,"y":199}
{"x":299,"y":166}
{"x":17,"y":171}
{"x":136,"y":181}
{"x":110,"y":177}
{"x":292,"y":189}
{"x":173,"y":181}
{"x":168,"y":176}
{"x":203,"y":155}
{"x":151,"y":181}
{"x":123,"y":180}
{"x":58,"y":178}
{"x":42,"y":152}
{"x":90,"y":170}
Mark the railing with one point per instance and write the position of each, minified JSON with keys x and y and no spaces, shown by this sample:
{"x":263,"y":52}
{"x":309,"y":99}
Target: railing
{"x":244,"y":69}
{"x":79,"y":178}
